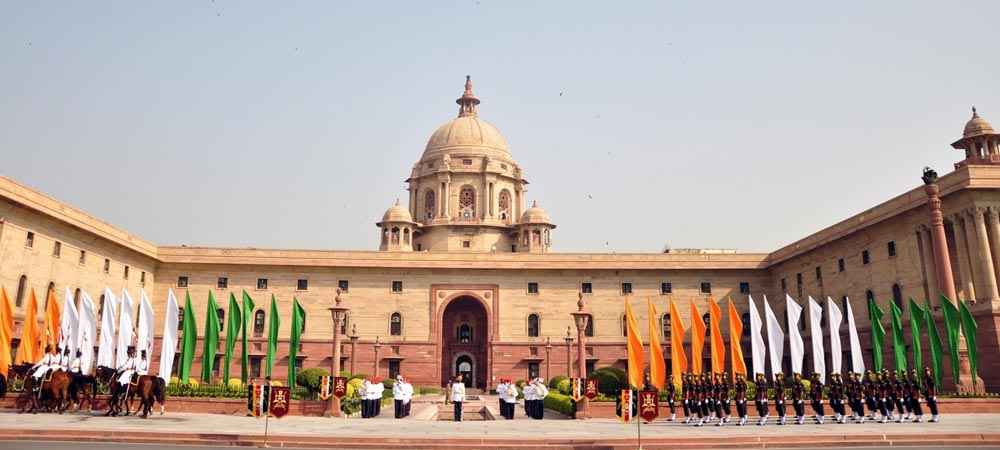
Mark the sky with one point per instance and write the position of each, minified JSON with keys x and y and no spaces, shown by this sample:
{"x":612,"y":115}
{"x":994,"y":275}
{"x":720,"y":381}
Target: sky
{"x":639,"y":125}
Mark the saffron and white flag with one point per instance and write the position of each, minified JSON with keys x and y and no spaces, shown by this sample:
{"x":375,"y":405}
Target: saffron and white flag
{"x":795,"y":346}
{"x":816,"y":327}
{"x":106,"y":351}
{"x":126,"y":329}
{"x":69,"y":325}
{"x":775,"y":339}
{"x":836,"y":317}
{"x":757,"y":357}
{"x":88,"y":332}
{"x":169,"y":340}
{"x":145,"y":337}
{"x":857,"y":358}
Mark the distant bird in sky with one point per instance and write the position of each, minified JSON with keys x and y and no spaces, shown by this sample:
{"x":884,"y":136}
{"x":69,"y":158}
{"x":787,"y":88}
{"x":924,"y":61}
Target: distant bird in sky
{"x":560,"y":94}
{"x":590,"y":197}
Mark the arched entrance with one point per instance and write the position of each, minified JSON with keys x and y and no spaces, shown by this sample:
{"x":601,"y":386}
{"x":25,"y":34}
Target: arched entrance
{"x":464,"y":340}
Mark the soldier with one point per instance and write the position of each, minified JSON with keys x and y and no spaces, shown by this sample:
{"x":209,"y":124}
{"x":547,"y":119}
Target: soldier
{"x":882,"y":385}
{"x":64,"y":362}
{"x":855,"y":396}
{"x":913,"y":387}
{"x":779,"y":397}
{"x":816,"y":395}
{"x":930,"y":393}
{"x":740,"y":392}
{"x":77,"y":364}
{"x":399,"y":395}
{"x":705,"y":395}
{"x":671,"y":394}
{"x":871,"y":394}
{"x":510,"y":398}
{"x":142,"y":367}
{"x":128,"y":368}
{"x":698,"y":388}
{"x":760,"y":397}
{"x":711,"y":394}
{"x":528,"y":391}
{"x":726,"y":401}
{"x":719,"y":398}
{"x":687,"y":397}
{"x":57,"y":359}
{"x":837,"y":398}
{"x":798,"y":399}
{"x":541,"y":391}
{"x":898,"y":394}
{"x":42,"y":366}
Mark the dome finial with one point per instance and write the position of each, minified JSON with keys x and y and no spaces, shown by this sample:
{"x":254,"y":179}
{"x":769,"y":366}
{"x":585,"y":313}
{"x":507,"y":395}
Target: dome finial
{"x":468,"y":101}
{"x":974,"y":113}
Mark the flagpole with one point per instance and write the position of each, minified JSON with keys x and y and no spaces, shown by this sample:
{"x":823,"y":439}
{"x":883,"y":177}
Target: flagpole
{"x":267,"y":417}
{"x":638,"y":430}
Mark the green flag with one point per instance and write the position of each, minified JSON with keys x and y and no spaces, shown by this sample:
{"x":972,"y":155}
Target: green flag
{"x":211,"y":341}
{"x":188,"y":340}
{"x":247,"y":311}
{"x":878,"y":333}
{"x":272,"y":336}
{"x":969,"y":329}
{"x":232,"y":332}
{"x":951,"y":327}
{"x":916,"y":323}
{"x":898,"y":343}
{"x":935,"y":339}
{"x":298,"y":326}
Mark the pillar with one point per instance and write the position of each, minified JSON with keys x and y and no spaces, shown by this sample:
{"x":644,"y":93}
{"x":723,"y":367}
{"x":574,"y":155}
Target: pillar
{"x":993,"y":227}
{"x":933,"y":290}
{"x":962,"y":252}
{"x":986,"y":275}
{"x":939,"y":241}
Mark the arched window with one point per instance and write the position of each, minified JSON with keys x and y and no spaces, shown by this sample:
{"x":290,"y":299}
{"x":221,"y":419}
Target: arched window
{"x":665,"y":325}
{"x":464,"y":333}
{"x":870,"y":297}
{"x":429,"y":204}
{"x":536,"y":237}
{"x":221,"y":314}
{"x":532,"y":325}
{"x":624,"y":321}
{"x":22,"y":286}
{"x":467,"y":201}
{"x":180,"y":319}
{"x":51,"y":291}
{"x":706,"y":318}
{"x":545,"y":238}
{"x":897,"y":296}
{"x":396,"y":324}
{"x":385,"y":236}
{"x":394,"y":235}
{"x":258,"y":322}
{"x":406,"y":236}
{"x":745,"y":320}
{"x":504,"y":204}
{"x":589,"y":330}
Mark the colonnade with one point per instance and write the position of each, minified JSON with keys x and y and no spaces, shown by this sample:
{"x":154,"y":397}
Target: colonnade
{"x":977,"y":250}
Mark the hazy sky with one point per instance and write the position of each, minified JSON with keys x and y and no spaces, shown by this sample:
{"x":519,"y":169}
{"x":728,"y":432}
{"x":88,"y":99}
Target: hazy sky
{"x":293,"y":125}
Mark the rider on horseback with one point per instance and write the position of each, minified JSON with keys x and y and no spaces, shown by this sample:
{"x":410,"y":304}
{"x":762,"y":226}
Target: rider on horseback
{"x":64,"y":362}
{"x":142,"y":367}
{"x":128,"y":368}
{"x":43,"y":365}
{"x":75,"y":367}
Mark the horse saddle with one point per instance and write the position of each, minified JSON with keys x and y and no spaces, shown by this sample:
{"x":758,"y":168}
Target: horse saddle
{"x":134,"y":381}
{"x":47,"y":376}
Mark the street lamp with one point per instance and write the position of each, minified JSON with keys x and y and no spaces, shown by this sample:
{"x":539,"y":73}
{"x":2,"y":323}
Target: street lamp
{"x":338,"y":313}
{"x":569,"y":353}
{"x":354,"y":345}
{"x":378,"y":346}
{"x":581,"y":317}
{"x":548,"y":359}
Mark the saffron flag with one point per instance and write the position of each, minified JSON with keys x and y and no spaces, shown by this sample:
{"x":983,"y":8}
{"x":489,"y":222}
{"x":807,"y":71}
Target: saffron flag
{"x":27,"y":352}
{"x":697,"y":338}
{"x":168,"y":342}
{"x":126,"y":328}
{"x":106,"y":351}
{"x":51,"y":324}
{"x":916,"y":324}
{"x":636,"y":360}
{"x":898,"y":342}
{"x":211,"y":339}
{"x":775,"y":339}
{"x":678,"y":359}
{"x":6,"y":331}
{"x":232,"y":333}
{"x":69,"y":325}
{"x":247,"y":311}
{"x":757,"y":350}
{"x":836,"y":317}
{"x":878,"y":334}
{"x":795,"y":346}
{"x":969,"y":330}
{"x":145,"y":331}
{"x":657,"y":366}
{"x":735,"y":332}
{"x":88,"y":333}
{"x":298,"y":326}
{"x":951,"y":326}
{"x":718,"y":347}
{"x":816,"y":328}
{"x":857,"y":358}
{"x":272,"y":336}
{"x":937,"y":353}
{"x":188,"y":339}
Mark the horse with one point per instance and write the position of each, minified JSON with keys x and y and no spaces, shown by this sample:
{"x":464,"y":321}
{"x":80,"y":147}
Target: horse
{"x":78,"y":385}
{"x":3,"y":386}
{"x":53,"y":393}
{"x":150,"y":388}
{"x":109,"y":376}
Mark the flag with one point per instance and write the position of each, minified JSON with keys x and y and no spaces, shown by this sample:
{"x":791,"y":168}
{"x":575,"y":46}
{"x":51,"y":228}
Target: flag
{"x":735,"y":332}
{"x":298,"y":322}
{"x":775,"y":339}
{"x":211,"y":339}
{"x":168,"y":341}
{"x":951,"y":326}
{"x":6,"y":331}
{"x":898,"y":343}
{"x":836,"y":354}
{"x":88,"y":332}
{"x":636,"y":360}
{"x":69,"y":325}
{"x":857,"y":358}
{"x":815,"y":327}
{"x":718,"y":347}
{"x":757,"y":349}
{"x":937,"y":352}
{"x":126,"y":324}
{"x":969,"y":329}
{"x":626,"y":406}
{"x":188,"y":340}
{"x":106,"y":351}
{"x":145,"y":338}
{"x":795,"y":346}
{"x":247,"y":311}
{"x":272,"y":336}
{"x":678,"y":359}
{"x":51,"y":324}
{"x":697,"y":338}
{"x":916,"y":323}
{"x":232,"y":333}
{"x":878,"y":333}
{"x":27,"y":352}
{"x":657,"y":366}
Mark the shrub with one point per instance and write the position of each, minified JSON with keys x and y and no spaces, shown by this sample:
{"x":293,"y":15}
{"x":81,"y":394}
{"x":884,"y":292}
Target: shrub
{"x":345,"y":374}
{"x":174,"y":380}
{"x":520,"y":384}
{"x":235,"y":384}
{"x":193,"y":382}
{"x":610,"y":379}
{"x":388,"y":383}
{"x":428,"y":390}
{"x":276,"y":383}
{"x":353,"y":386}
{"x":310,"y":378}
{"x":565,"y":386}
{"x":562,"y":403}
{"x":554,"y":382}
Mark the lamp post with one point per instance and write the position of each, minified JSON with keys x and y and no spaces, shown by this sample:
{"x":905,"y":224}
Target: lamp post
{"x":378,"y":346}
{"x":569,"y":353}
{"x":581,"y":317}
{"x":548,"y":360}
{"x":338,"y":313}
{"x":354,"y":345}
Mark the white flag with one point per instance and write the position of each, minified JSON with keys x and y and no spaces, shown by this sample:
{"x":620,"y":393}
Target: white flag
{"x":126,"y":329}
{"x":795,"y":346}
{"x":836,"y":317}
{"x":169,"y":340}
{"x":145,"y":325}
{"x":106,"y":351}
{"x":757,"y":350}
{"x":69,"y":325}
{"x":775,"y":339}
{"x":857,"y":359}
{"x":816,"y":327}
{"x":88,"y":331}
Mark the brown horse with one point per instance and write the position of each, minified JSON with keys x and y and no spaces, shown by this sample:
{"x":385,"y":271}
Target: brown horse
{"x":52,"y":394}
{"x":109,"y":376}
{"x":78,"y":386}
{"x":150,"y":389}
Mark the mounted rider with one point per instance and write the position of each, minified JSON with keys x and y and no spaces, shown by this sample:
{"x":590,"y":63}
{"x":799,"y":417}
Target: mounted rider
{"x":64,"y":362}
{"x":43,"y":365}
{"x":76,"y":367}
{"x":142,"y":366}
{"x":127,"y":369}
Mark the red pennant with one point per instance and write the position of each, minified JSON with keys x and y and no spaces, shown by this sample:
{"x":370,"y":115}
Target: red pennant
{"x":280,"y":401}
{"x":649,"y":408}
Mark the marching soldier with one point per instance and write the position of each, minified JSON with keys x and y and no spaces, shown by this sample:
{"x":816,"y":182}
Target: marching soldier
{"x":740,"y":392}
{"x":871,"y":394}
{"x":719,"y":397}
{"x":930,"y":393}
{"x":897,"y":394}
{"x":913,"y":386}
{"x":726,"y":401}
{"x":704,"y":395}
{"x":698,"y":388}
{"x":816,"y":395}
{"x":687,"y":397}
{"x":779,"y":397}
{"x":399,"y":394}
{"x":882,"y":385}
{"x":837,"y":394}
{"x":855,"y":396}
{"x":798,"y":399}
{"x":760,"y":398}
{"x":671,"y":394}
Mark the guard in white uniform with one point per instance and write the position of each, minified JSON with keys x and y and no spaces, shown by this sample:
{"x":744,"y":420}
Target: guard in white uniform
{"x":128,"y":368}
{"x":76,"y":367}
{"x":142,"y":367}
{"x":43,"y":365}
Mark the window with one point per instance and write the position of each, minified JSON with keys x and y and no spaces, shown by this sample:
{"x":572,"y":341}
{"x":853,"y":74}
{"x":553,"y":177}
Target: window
{"x":216,"y":365}
{"x":532,"y":288}
{"x":819,"y":274}
{"x":258,"y":323}
{"x":706,"y":288}
{"x":467,"y":201}
{"x":397,"y":286}
{"x":100,"y":306}
{"x":56,"y":249}
{"x":396,"y":324}
{"x":83,"y":257}
{"x":182,"y":281}
{"x":745,"y":320}
{"x":665,"y":325}
{"x":125,"y":273}
{"x":798,"y":279}
{"x":255,"y":366}
{"x":221,"y":314}
{"x":897,"y":296}
{"x":304,"y":325}
{"x":180,"y":319}
{"x":588,"y":331}
{"x":706,"y":318}
{"x":840,"y":264}
{"x":891,"y":247}
{"x":864,"y":257}
{"x":429,"y":204}
{"x":744,"y":287}
{"x":223,"y":283}
{"x":466,"y":162}
{"x":22,"y":287}
{"x":784,"y":285}
{"x":261,"y":284}
{"x":626,"y":288}
{"x":302,"y":285}
{"x":587,"y":288}
{"x":30,"y":240}
{"x":532,"y":370}
{"x":666,"y":288}
{"x":503,"y":203}
{"x":532,"y":325}
{"x":142,"y":277}
{"x":466,"y":244}
{"x":624,"y":321}
{"x":107,"y":265}
{"x":343,"y":285}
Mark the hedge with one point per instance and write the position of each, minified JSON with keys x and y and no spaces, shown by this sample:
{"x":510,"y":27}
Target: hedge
{"x":561,"y":403}
{"x":554,"y":382}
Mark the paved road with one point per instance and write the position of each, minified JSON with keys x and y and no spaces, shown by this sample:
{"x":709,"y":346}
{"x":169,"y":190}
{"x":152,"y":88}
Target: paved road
{"x":36,"y":445}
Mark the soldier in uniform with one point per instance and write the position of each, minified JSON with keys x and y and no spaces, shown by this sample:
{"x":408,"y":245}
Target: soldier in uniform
{"x":698,"y":388}
{"x":717,"y":397}
{"x":705,"y":395}
{"x":128,"y":368}
{"x":142,"y":367}
{"x":816,"y":395}
{"x":57,"y":360}
{"x":64,"y":362}
{"x":930,"y":393}
{"x":42,"y":366}
{"x":837,"y":398}
{"x":855,"y":397}
{"x":77,"y":364}
{"x":711,"y":395}
{"x":779,"y":397}
{"x":883,"y":398}
{"x":687,"y":397}
{"x":896,"y":394}
{"x":399,"y":395}
{"x":671,"y":394}
{"x":798,"y":399}
{"x":727,"y":405}
{"x":760,"y":398}
{"x":740,"y":396}
{"x":872,"y":394}
{"x":913,"y":386}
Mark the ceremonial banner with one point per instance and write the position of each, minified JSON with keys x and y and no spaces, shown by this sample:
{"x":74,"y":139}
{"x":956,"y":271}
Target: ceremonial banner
{"x":718,"y":353}
{"x":577,"y":388}
{"x":636,"y":363}
{"x":591,"y":388}
{"x":678,"y":359}
{"x":795,"y":345}
{"x":815,"y":321}
{"x":757,"y":348}
{"x":857,"y":358}
{"x":775,"y":339}
{"x":836,"y":317}
{"x":649,"y":408}
{"x":340,"y":387}
{"x":325,"y":387}
{"x":279,"y":401}
{"x":626,"y":406}
{"x":257,"y":400}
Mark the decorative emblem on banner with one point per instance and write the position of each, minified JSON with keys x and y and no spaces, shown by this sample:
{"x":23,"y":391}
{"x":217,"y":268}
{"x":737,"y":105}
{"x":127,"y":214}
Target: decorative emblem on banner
{"x":340,"y":387}
{"x":257,"y":399}
{"x":280,"y":400}
{"x":649,"y":408}
{"x":591,"y":388}
{"x":577,"y":388}
{"x":625,"y":407}
{"x":325,"y":387}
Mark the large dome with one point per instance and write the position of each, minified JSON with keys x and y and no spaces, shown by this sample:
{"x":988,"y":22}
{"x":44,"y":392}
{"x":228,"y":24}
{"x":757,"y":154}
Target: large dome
{"x":977,"y":126}
{"x":467,"y":134}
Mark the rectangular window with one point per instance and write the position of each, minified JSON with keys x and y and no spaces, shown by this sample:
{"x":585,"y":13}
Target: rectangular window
{"x":587,"y":288}
{"x":419,"y":248}
{"x":56,"y":249}
{"x":865,"y":259}
{"x":397,"y":286}
{"x":466,"y":244}
{"x":255,"y":366}
{"x":784,"y":285}
{"x":142,"y":277}
{"x":840,"y":264}
{"x":819,"y":274}
{"x":532,"y":351}
{"x":666,"y":288}
{"x":532,"y":288}
{"x":83,"y":257}
{"x":125,"y":273}
{"x":706,"y":288}
{"x":393,"y":369}
{"x":798,"y":278}
{"x":182,"y":282}
{"x":30,"y":240}
{"x":343,"y":285}
{"x":107,"y":265}
{"x":215,"y":367}
{"x":744,"y":287}
{"x":532,"y":370}
{"x":261,"y":284}
{"x":302,"y":285}
{"x":891,"y":246}
{"x":223,"y":283}
{"x":513,"y":248}
{"x":626,"y":288}
{"x":466,"y":162}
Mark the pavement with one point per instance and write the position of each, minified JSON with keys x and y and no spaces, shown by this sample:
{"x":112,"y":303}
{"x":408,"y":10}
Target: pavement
{"x":422,"y":431}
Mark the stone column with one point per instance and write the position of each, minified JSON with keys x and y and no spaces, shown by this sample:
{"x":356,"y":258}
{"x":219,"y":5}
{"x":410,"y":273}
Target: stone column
{"x":962,"y":252}
{"x":440,"y":199}
{"x":986,"y":274}
{"x":993,"y":225}
{"x":548,"y":360}
{"x":447,"y":199}
{"x":338,"y":313}
{"x":413,"y":201}
{"x":569,"y":353}
{"x":942,"y":262}
{"x":933,"y":290}
{"x":581,"y":317}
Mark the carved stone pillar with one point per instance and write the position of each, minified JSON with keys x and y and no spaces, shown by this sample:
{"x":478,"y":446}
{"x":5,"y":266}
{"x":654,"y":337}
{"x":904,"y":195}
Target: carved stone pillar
{"x":986,"y":275}
{"x":993,"y":226}
{"x":933,"y":291}
{"x":962,"y":252}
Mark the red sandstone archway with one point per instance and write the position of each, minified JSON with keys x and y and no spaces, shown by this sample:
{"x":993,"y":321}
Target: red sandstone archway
{"x":465,"y":331}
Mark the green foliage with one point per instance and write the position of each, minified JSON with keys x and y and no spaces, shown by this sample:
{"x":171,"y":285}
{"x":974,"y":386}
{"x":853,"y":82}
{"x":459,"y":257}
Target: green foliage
{"x":610,"y":379}
{"x":360,"y":376}
{"x":427,"y":390}
{"x":388,"y":383}
{"x":565,"y":386}
{"x":193,"y":382}
{"x":353,"y":386}
{"x":174,"y":380}
{"x":563,"y":404}
{"x":310,"y":378}
{"x":520,"y":384}
{"x":345,"y":374}
{"x":554,"y":382}
{"x":235,"y":384}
